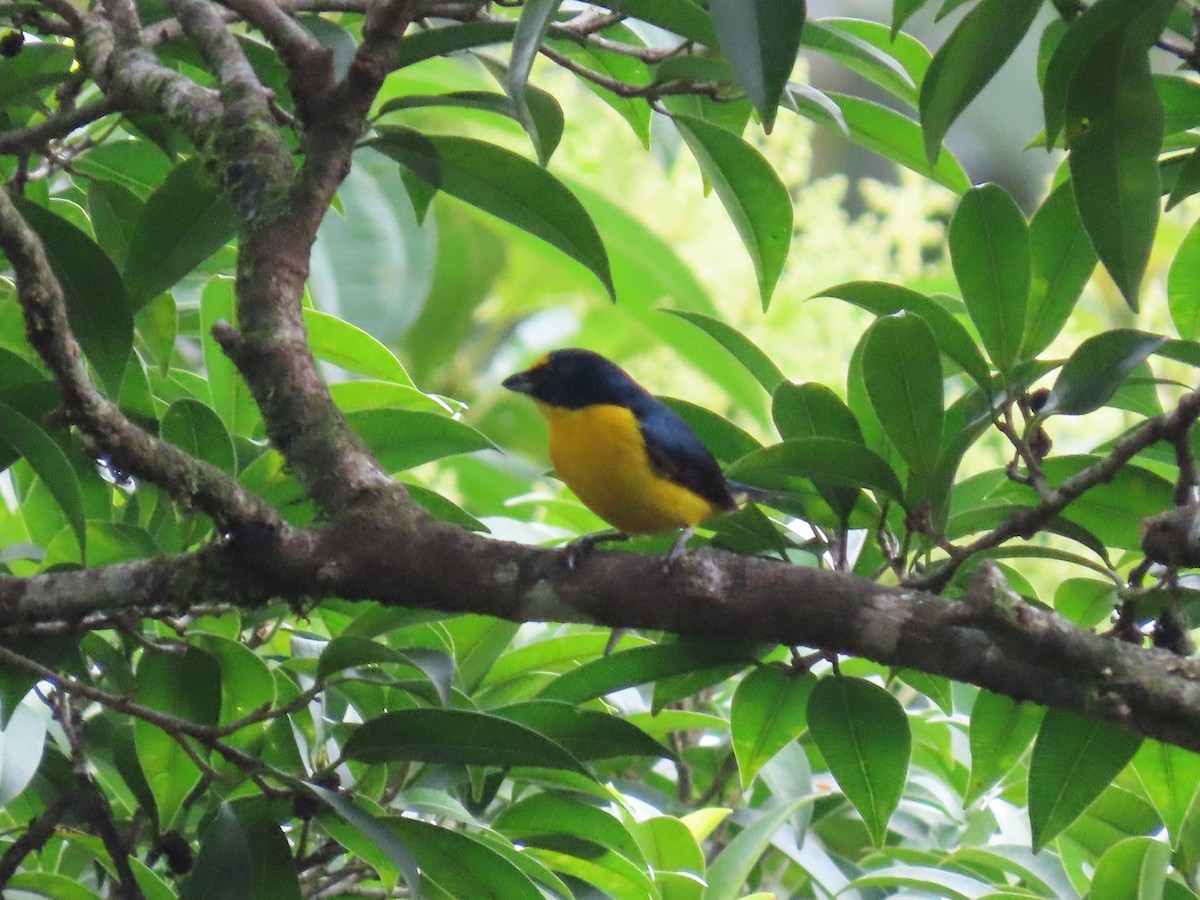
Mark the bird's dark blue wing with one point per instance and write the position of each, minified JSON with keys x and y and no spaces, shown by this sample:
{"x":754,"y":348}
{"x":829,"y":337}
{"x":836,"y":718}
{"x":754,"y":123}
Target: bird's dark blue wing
{"x":677,"y":454}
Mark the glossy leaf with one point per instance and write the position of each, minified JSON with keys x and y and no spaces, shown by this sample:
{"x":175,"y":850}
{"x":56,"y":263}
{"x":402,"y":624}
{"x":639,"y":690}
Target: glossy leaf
{"x":185,"y":221}
{"x":1183,"y":286}
{"x":229,"y":392}
{"x":461,"y":865}
{"x":863,"y":736}
{"x":586,"y":734}
{"x":725,"y":440}
{"x":1062,"y":262}
{"x":97,"y":306}
{"x":893,"y":136}
{"x":195,"y":428}
{"x":989,"y":247}
{"x":760,"y":39}
{"x":1097,"y":369}
{"x":926,"y":880}
{"x":430,"y":42}
{"x":404,"y":438}
{"x":952,"y":338}
{"x":619,"y":67}
{"x":349,"y":651}
{"x":114,"y":210}
{"x":541,"y":818}
{"x":26,"y":439}
{"x":768,"y":712}
{"x":904,"y":382}
{"x":737,"y":344}
{"x":752,"y":193}
{"x":376,"y":835}
{"x":504,"y":184}
{"x":966,"y":62}
{"x":1132,"y":869}
{"x":189,"y":687}
{"x":645,"y":664}
{"x":455,"y":736}
{"x":21,"y":745}
{"x":812,"y":410}
{"x":828,"y":460}
{"x":1114,"y":123}
{"x":729,"y":871}
{"x":871,"y":60}
{"x":1001,"y":731}
{"x":532,"y":26}
{"x":1170,"y":776}
{"x":224,"y":868}
{"x":543,"y":110}
{"x":1074,"y":759}
{"x":336,"y":341}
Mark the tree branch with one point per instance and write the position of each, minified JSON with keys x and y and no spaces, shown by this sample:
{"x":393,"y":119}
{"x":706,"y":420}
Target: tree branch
{"x":1026,"y":521}
{"x":184,"y":477}
{"x":33,"y":137}
{"x":389,"y":552}
{"x":309,"y":65}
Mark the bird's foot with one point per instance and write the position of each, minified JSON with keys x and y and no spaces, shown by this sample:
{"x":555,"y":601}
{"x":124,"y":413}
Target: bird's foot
{"x":582,"y":546}
{"x":678,"y":549}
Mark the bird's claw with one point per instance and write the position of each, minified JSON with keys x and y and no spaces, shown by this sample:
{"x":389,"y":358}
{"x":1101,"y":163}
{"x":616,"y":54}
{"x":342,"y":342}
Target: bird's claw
{"x":677,"y":551}
{"x":576,"y":550}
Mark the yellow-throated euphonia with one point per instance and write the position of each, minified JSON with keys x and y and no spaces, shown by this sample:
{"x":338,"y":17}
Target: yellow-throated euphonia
{"x":625,"y":454}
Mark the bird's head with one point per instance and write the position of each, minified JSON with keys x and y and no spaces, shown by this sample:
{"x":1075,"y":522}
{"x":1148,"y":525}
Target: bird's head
{"x":573,"y":379}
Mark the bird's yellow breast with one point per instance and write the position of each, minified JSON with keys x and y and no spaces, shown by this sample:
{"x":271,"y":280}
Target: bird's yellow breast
{"x":598,"y":452}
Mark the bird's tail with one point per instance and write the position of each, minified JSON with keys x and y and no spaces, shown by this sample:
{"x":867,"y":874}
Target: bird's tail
{"x":743,"y":492}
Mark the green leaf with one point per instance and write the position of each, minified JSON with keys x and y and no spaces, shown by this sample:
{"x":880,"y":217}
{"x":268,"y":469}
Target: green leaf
{"x":187,"y":686}
{"x":404,"y":438}
{"x":725,"y":440}
{"x":923,"y":880}
{"x":224,"y":868}
{"x":1171,"y":778}
{"x":1062,"y":69}
{"x":542,"y":819}
{"x":989,"y":246}
{"x":645,"y":664}
{"x":902,"y":11}
{"x":619,"y":67}
{"x":832,"y":461}
{"x":1062,"y":262}
{"x":752,"y":193}
{"x":21,"y":746}
{"x":837,"y":39}
{"x":727,"y":874}
{"x":460,"y":864}
{"x":349,"y":651}
{"x":1114,"y":132}
{"x":455,"y":736}
{"x":586,"y":734}
{"x":193,"y":427}
{"x":1001,"y":731}
{"x":532,"y":26}
{"x":737,"y":344}
{"x":1085,"y":601}
{"x":904,"y":383}
{"x":416,"y":46}
{"x":336,"y":341}
{"x":953,"y":339}
{"x":1074,"y":759}
{"x":51,"y":465}
{"x":107,"y":542}
{"x":543,"y":110}
{"x":1183,"y":286}
{"x":504,"y":184}
{"x":98,"y":310}
{"x":768,"y":712}
{"x":1132,"y":869}
{"x":862,"y":733}
{"x":39,"y":65}
{"x":674,"y":856}
{"x":760,"y":39}
{"x":966,"y":62}
{"x":812,"y":410}
{"x":1092,"y":374}
{"x":683,"y":17}
{"x":157,"y":324}
{"x":229,"y":392}
{"x":114,"y":211}
{"x":375,"y":836}
{"x":185,"y":221}
{"x":1187,"y":180}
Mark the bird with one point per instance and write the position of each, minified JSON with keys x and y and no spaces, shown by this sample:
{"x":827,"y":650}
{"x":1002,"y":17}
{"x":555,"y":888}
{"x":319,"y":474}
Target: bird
{"x":627,"y":456}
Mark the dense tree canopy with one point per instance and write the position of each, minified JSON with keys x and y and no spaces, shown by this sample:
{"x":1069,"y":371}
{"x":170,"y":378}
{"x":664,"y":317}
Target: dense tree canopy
{"x":264,"y":264}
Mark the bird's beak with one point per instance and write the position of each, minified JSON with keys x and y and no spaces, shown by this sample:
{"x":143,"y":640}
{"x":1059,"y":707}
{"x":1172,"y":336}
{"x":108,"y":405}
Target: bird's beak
{"x":521,"y":382}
